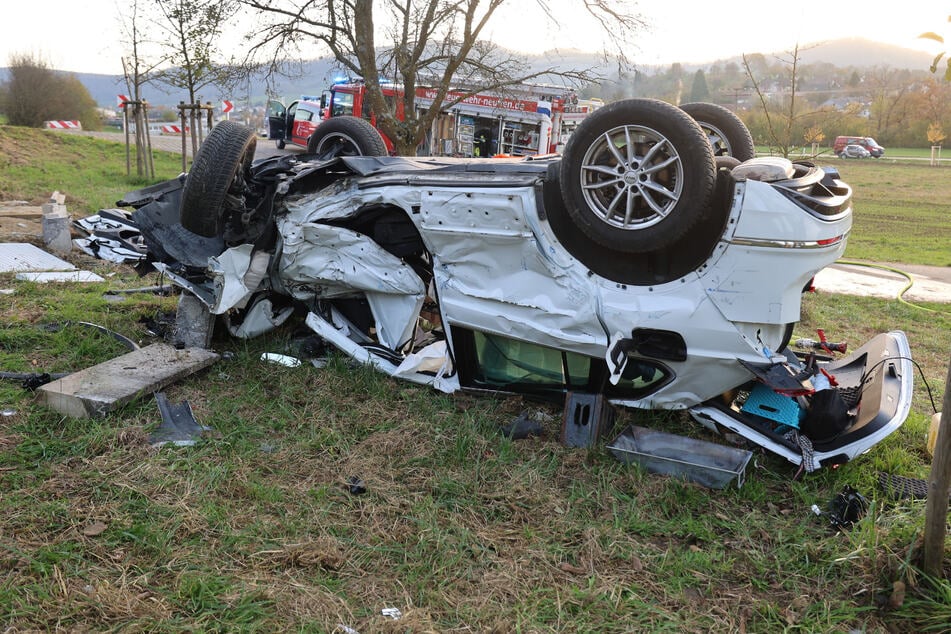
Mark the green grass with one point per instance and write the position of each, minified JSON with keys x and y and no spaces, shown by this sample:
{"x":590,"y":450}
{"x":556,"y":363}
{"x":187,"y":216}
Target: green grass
{"x":91,"y":173}
{"x":254,"y":529}
{"x":902,"y":212}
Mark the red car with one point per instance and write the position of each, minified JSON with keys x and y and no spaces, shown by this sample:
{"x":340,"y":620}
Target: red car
{"x":295,"y":123}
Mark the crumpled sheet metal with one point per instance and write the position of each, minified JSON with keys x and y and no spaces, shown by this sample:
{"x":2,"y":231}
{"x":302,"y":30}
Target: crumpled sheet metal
{"x":505,"y":280}
{"x":408,"y":371}
{"x":328,"y":261}
{"x":259,"y":317}
{"x":236,"y":273}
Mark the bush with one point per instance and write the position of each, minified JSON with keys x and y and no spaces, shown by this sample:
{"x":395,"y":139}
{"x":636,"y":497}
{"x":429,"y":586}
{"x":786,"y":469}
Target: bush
{"x":34,"y":93}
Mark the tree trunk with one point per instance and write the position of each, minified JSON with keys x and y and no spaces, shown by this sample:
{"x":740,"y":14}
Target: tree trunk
{"x":939,"y":485}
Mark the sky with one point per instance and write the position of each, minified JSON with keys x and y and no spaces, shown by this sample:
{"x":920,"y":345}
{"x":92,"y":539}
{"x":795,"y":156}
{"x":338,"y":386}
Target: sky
{"x":85,"y":36}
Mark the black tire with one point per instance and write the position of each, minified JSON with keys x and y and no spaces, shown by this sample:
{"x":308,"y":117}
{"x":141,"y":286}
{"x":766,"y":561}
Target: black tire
{"x":217,"y":178}
{"x":280,"y":144}
{"x":346,"y":136}
{"x":650,"y":156}
{"x":728,"y":135}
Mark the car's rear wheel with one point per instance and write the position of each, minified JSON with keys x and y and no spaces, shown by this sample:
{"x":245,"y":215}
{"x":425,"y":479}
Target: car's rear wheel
{"x":637,"y":175}
{"x":728,"y":135}
{"x":216,"y":182}
{"x":346,"y":136}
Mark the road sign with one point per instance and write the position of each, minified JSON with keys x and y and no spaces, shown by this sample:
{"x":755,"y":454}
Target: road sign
{"x":227,"y":106}
{"x":123,"y":100}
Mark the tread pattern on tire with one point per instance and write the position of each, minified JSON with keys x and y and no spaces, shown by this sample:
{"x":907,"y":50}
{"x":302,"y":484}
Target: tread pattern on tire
{"x":738,"y":135}
{"x":228,"y":148}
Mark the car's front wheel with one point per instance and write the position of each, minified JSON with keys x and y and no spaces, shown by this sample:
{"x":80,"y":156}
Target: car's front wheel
{"x":216,"y":182}
{"x":637,"y":175}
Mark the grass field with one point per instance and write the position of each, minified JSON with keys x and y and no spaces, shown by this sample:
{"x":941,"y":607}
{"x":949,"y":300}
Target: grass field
{"x":256,"y":528}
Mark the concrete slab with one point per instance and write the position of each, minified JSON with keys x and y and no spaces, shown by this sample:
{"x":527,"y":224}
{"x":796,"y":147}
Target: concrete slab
{"x":930,"y":283}
{"x":43,"y":277}
{"x":22,"y":256}
{"x":103,"y":388}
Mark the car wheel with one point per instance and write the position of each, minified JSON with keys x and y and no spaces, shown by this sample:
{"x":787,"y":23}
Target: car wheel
{"x":280,"y":144}
{"x":728,"y":135}
{"x":346,"y":136}
{"x":217,"y":178}
{"x":637,"y":175}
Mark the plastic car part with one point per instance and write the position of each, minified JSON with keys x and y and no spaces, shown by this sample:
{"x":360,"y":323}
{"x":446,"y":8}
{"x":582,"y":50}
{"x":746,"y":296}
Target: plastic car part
{"x":728,"y":135}
{"x":346,"y":136}
{"x":178,"y":426}
{"x":818,"y":190}
{"x":637,"y":175}
{"x":158,"y":217}
{"x":767,"y":169}
{"x":846,"y":508}
{"x":215,"y":186}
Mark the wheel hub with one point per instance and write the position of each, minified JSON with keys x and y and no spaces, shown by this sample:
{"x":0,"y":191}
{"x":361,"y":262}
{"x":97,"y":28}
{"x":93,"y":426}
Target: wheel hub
{"x":631,"y":177}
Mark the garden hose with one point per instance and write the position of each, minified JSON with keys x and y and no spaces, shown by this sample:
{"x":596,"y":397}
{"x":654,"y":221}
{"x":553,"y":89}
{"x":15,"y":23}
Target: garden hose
{"x":904,"y":289}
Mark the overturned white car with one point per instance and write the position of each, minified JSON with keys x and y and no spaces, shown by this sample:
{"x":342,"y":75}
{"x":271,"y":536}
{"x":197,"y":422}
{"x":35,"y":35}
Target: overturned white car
{"x":657,"y":262}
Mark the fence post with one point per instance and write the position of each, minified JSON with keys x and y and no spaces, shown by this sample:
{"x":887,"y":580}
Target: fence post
{"x":181,"y":115}
{"x":125,"y":127}
{"x":939,"y":485}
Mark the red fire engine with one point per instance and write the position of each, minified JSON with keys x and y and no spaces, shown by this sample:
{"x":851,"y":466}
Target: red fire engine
{"x":528,"y":120}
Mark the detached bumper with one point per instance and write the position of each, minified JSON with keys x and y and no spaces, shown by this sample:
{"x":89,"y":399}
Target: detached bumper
{"x":880,"y":371}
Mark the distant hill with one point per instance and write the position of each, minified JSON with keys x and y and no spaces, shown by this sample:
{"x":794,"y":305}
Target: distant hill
{"x":863,"y":53}
{"x":316,"y":75}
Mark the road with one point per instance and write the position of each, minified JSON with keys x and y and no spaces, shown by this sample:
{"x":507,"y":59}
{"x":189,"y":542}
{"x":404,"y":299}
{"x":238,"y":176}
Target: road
{"x":170,"y":143}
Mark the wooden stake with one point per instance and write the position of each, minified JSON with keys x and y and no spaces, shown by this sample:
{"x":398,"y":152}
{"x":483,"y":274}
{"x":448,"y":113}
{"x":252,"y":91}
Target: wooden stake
{"x":939,"y":486}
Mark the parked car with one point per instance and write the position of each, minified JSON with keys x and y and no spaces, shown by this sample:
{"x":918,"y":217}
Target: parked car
{"x":854,"y":151}
{"x":294,"y":124}
{"x":866,"y":142}
{"x":638,"y":266}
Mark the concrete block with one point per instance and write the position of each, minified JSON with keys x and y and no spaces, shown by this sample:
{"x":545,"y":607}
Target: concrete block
{"x":43,"y":277}
{"x":98,"y":390}
{"x":194,"y":323}
{"x":56,"y":226}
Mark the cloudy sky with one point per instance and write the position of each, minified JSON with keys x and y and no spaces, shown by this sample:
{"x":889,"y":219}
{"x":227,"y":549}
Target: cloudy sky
{"x":85,"y":36}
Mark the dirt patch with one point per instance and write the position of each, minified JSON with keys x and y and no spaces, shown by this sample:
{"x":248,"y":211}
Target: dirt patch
{"x":20,"y":221}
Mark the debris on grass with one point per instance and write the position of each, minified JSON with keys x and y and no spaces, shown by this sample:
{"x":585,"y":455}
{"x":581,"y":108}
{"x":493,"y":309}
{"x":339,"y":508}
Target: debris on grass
{"x":525,"y":425}
{"x":356,"y":486}
{"x":178,"y":426}
{"x":280,"y":359}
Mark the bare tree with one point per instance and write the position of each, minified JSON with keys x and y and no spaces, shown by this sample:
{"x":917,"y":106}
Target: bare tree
{"x":190,"y":44}
{"x":785,"y":115}
{"x":888,"y":89}
{"x":138,"y":69}
{"x":437,"y":43}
